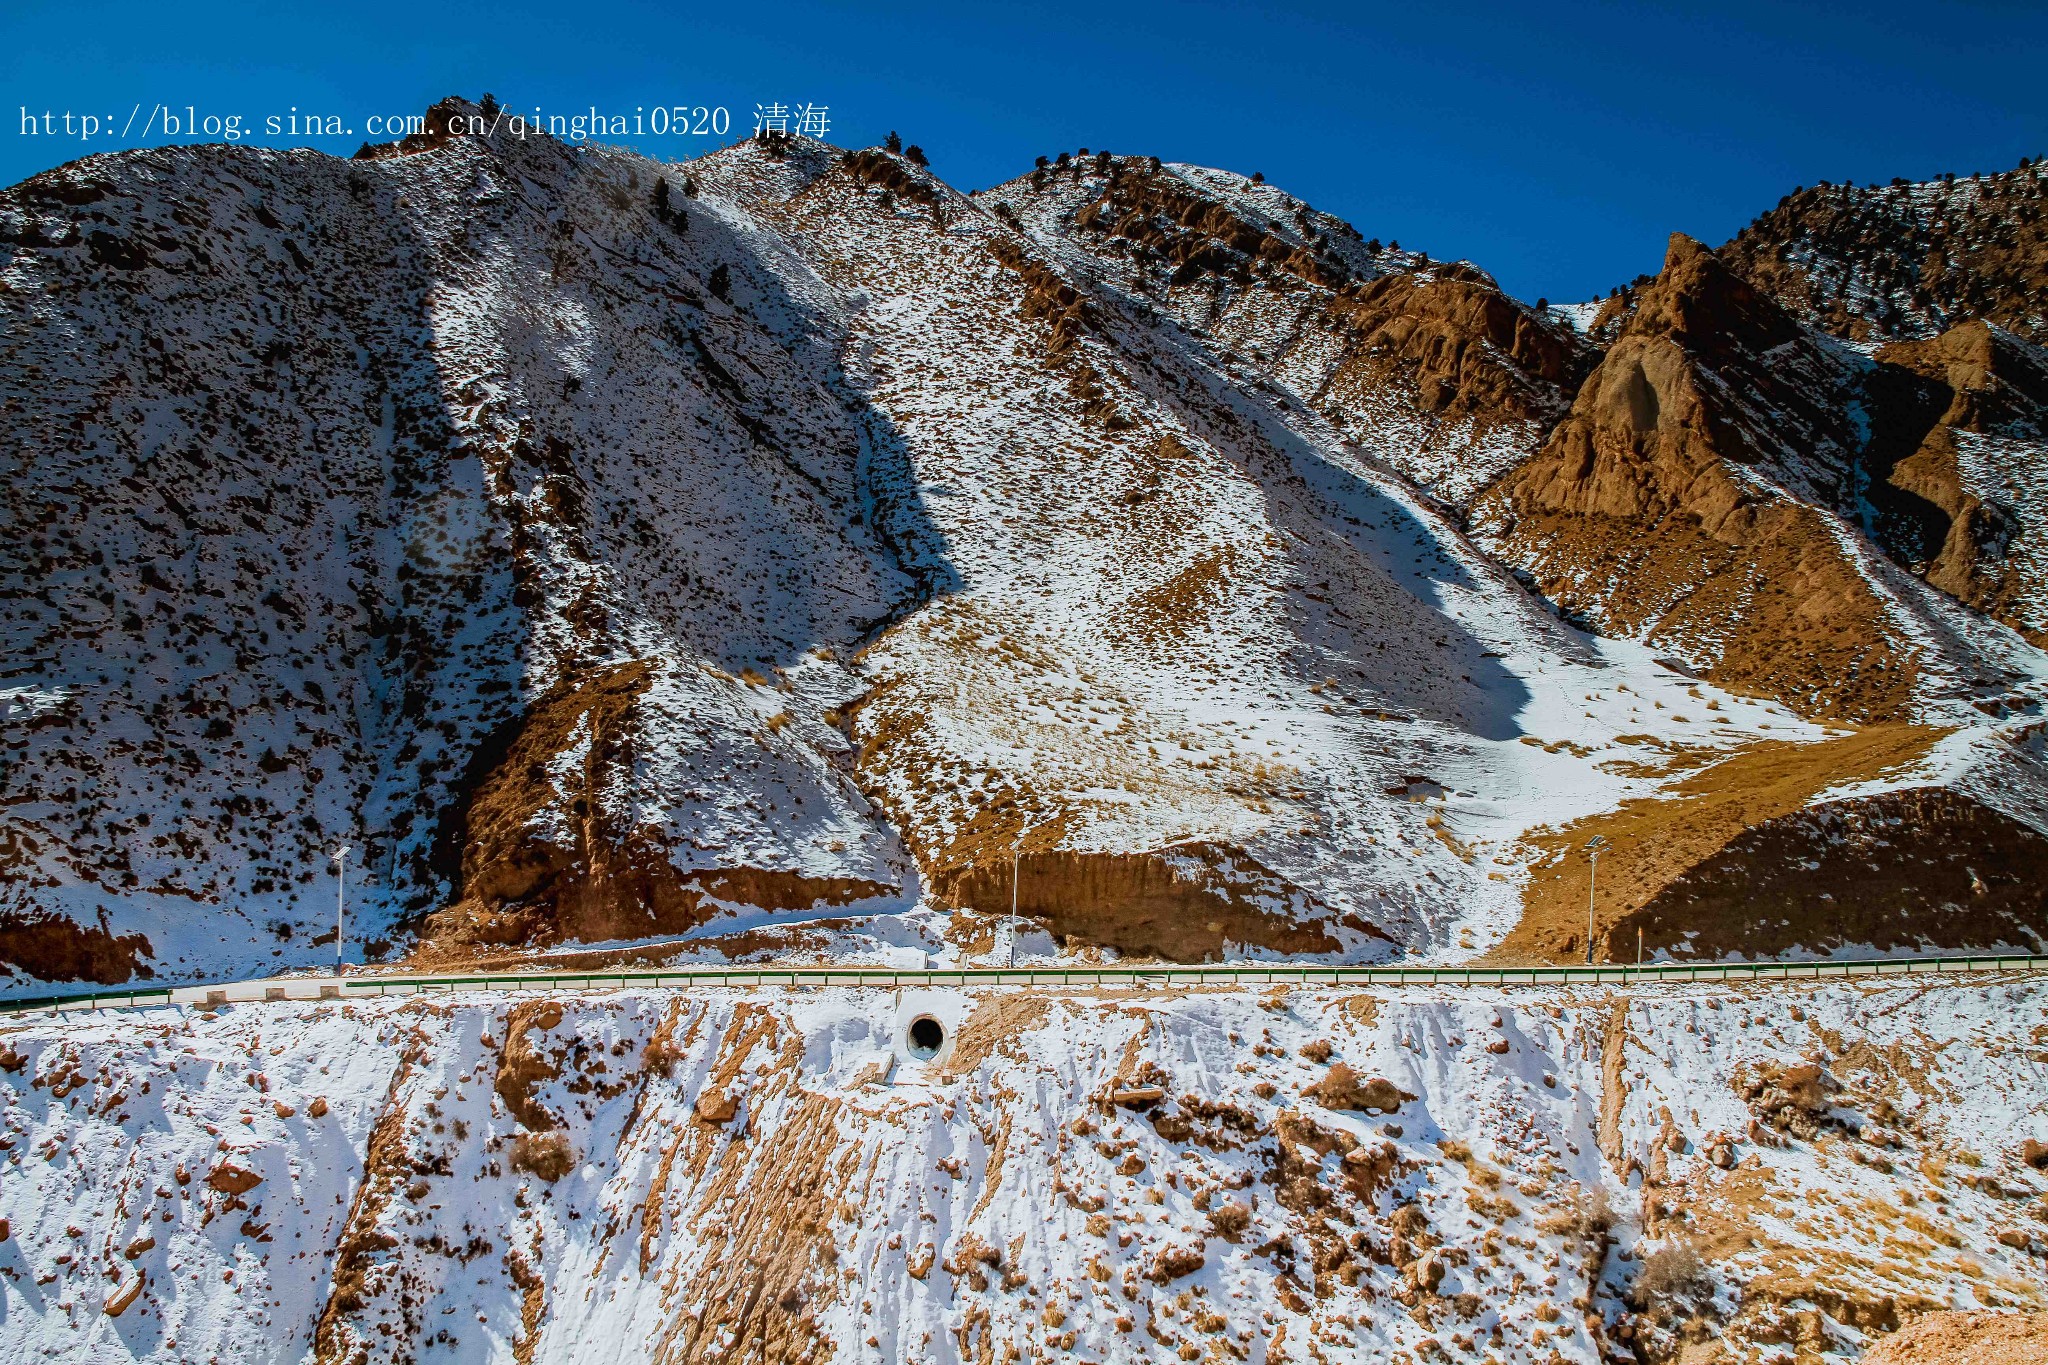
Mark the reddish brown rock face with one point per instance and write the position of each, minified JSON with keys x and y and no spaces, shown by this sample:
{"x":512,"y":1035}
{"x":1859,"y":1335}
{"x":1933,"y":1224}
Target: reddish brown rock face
{"x":1396,"y":349}
{"x":1184,"y":904}
{"x":1986,"y":447}
{"x":531,"y":881}
{"x":1665,"y":506}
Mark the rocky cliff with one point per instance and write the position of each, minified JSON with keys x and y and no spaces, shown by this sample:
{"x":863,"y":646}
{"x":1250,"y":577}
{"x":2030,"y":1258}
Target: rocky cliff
{"x":784,"y":551}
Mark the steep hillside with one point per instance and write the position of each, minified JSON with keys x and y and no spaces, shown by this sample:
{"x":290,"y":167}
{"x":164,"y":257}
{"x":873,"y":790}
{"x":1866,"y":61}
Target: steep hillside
{"x":1426,"y":364}
{"x":1908,"y":260}
{"x":348,"y":492}
{"x":1749,"y":536}
{"x":1746,"y":493}
{"x":1405,"y":1176}
{"x":783,"y":552}
{"x":1219,"y":676}
{"x":1722,"y":488}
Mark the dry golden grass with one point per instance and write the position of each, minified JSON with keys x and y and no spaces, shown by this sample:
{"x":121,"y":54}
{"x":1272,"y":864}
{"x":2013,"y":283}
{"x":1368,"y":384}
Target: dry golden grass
{"x":1654,"y":839}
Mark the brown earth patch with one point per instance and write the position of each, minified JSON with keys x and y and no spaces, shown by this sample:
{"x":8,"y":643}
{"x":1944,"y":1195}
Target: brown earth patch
{"x":995,"y":1024}
{"x":1965,"y":1339}
{"x":386,"y":1166}
{"x":1182,"y":903}
{"x":1169,"y":611}
{"x":1924,"y":866}
{"x":775,"y":1198}
{"x":1342,"y":1088}
{"x":52,"y":948}
{"x":519,"y":887}
{"x":1653,"y":841}
{"x":521,"y":1065}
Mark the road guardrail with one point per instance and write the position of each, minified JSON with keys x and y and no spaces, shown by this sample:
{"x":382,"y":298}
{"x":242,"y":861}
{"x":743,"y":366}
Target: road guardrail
{"x":1053,"y":977}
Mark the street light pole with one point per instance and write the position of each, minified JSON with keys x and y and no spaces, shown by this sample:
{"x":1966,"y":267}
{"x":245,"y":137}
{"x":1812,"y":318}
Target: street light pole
{"x":340,"y":881}
{"x":1016,"y":877}
{"x":1593,"y":847}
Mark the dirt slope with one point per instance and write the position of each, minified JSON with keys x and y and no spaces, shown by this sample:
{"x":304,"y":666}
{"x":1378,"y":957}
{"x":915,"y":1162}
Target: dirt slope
{"x":1714,"y":491}
{"x":783,"y":561}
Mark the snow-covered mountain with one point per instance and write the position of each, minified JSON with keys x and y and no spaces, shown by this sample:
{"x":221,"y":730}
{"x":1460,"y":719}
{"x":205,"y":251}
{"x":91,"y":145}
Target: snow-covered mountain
{"x":1909,"y":259}
{"x":775,"y":552}
{"x":783,"y":554}
{"x":1415,"y":1174}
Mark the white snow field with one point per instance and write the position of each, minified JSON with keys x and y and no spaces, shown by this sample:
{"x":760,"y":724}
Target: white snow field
{"x":1093,"y":1175}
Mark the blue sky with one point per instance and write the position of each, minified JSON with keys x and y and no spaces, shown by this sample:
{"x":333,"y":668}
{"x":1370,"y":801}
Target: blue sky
{"x":1555,"y":145}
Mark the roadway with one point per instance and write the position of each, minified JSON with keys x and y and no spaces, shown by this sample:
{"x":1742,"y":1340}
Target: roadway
{"x":1040,"y":976}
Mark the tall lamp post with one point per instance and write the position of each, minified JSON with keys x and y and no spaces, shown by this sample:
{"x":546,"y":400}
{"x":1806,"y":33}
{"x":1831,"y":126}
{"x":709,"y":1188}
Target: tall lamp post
{"x":340,"y":881}
{"x":1593,"y":847}
{"x":1016,"y":875}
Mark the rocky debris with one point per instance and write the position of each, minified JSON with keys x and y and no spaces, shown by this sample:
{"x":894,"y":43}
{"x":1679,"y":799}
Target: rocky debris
{"x":717,"y":1107}
{"x":1795,"y":1099}
{"x":1342,"y":1088}
{"x":1016,"y":1161}
{"x":1230,"y":1220}
{"x":1218,"y":1125}
{"x":548,"y":1156}
{"x":1137,"y":1096}
{"x":1954,"y":1338}
{"x":125,"y":1295}
{"x":232,"y":1180}
{"x":1172,"y":1262}
{"x":972,"y":1258}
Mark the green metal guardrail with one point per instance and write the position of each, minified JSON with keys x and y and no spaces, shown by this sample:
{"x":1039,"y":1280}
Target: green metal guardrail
{"x":86,"y":1000}
{"x":1276,"y":973}
{"x":1239,"y":974}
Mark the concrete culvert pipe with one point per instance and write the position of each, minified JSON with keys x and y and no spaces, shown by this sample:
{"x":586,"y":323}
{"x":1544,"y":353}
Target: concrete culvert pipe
{"x":927,"y":1026}
{"x":926,"y":1037}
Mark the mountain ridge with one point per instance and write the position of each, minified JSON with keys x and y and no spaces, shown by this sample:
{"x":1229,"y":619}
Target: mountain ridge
{"x":783,"y":552}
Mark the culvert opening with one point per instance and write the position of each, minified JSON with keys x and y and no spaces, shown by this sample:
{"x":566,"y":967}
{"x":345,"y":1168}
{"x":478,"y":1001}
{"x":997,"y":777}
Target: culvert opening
{"x":927,"y":1036}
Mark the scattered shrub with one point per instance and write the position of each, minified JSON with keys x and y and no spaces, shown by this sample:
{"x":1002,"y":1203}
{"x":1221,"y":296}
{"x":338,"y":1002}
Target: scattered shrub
{"x":1673,"y":1281}
{"x":1231,"y":1220}
{"x":545,"y":1155}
